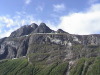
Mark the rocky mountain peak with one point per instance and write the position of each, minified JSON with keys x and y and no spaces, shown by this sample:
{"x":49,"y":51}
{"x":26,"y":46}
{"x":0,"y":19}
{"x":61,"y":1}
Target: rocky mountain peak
{"x":43,"y":28}
{"x":34,"y":25}
{"x":49,"y":54}
{"x":60,"y":31}
{"x":43,"y":24}
{"x":24,"y":30}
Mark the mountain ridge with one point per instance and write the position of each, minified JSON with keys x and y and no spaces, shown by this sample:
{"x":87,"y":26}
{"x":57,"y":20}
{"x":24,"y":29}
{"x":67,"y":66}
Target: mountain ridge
{"x":34,"y":28}
{"x":42,"y":46}
{"x":43,"y":34}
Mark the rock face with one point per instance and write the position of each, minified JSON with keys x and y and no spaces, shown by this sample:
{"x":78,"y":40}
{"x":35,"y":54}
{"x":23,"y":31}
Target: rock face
{"x":41,"y":40}
{"x":42,"y":51}
{"x":25,"y":30}
{"x":60,"y":31}
{"x":43,"y":29}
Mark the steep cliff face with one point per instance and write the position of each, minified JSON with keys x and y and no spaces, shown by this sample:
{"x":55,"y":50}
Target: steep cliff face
{"x":40,"y":44}
{"x":40,"y":39}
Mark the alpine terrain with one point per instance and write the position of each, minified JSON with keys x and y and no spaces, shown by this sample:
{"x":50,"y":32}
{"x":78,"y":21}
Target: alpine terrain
{"x":38,"y":50}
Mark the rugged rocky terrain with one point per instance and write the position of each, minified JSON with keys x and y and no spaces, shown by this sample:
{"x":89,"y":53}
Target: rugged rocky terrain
{"x":39,"y":50}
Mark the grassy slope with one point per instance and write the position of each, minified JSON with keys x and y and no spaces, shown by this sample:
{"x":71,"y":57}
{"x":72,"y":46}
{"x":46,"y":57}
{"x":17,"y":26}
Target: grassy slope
{"x":84,"y":66}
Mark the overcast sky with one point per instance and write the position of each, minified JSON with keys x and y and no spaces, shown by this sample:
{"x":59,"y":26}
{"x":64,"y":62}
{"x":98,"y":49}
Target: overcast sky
{"x":73,"y":16}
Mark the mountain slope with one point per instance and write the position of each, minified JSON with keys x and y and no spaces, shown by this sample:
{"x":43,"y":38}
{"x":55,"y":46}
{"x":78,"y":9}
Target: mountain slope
{"x":83,"y":66}
{"x":49,"y":52}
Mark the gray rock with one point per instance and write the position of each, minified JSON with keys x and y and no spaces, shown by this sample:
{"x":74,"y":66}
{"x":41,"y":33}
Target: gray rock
{"x":47,"y":45}
{"x":43,"y":29}
{"x":60,"y":31}
{"x":34,"y":26}
{"x":22,"y":50}
{"x":24,"y":30}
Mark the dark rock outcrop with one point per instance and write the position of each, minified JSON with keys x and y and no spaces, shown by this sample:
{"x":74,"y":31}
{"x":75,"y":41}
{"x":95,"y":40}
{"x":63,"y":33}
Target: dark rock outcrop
{"x":43,"y":29}
{"x":34,"y":26}
{"x":24,"y":30}
{"x":60,"y":31}
{"x":63,"y":46}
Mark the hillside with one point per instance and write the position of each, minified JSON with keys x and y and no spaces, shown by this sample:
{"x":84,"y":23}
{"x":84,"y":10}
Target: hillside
{"x":83,"y":66}
{"x":39,"y":50}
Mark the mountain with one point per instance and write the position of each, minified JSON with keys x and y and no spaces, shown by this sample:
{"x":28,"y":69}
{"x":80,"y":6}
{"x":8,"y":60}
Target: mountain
{"x":60,"y":31}
{"x":39,"y":50}
{"x":43,"y":29}
{"x":24,"y":30}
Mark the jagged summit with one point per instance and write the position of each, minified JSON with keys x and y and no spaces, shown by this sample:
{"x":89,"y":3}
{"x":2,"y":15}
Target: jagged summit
{"x":34,"y":25}
{"x":24,"y":30}
{"x":34,"y":28}
{"x":42,"y":24}
{"x":43,"y":51}
{"x":60,"y":31}
{"x":43,"y":28}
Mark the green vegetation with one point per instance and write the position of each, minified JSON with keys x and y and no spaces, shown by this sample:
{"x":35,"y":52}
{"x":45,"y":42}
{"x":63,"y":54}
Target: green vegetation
{"x":54,"y":69}
{"x":22,"y":67}
{"x":95,"y":68}
{"x":47,"y":70}
{"x":78,"y":68}
{"x":83,"y":66}
{"x":86,"y":66}
{"x":60,"y":69}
